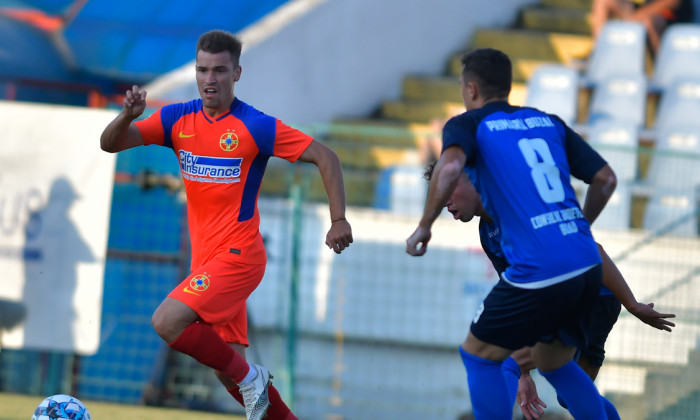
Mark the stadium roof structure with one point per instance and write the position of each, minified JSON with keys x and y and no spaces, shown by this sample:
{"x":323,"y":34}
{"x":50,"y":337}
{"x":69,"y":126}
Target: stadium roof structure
{"x":129,"y":41}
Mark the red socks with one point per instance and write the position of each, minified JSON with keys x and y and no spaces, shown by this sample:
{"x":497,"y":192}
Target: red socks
{"x":201,"y":342}
{"x":278,"y":409}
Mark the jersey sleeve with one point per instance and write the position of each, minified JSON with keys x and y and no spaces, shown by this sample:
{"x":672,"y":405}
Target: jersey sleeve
{"x":458,"y":133}
{"x":290,"y":143}
{"x":158,"y":127}
{"x":492,"y":248}
{"x":151,"y":129}
{"x":584,"y":161}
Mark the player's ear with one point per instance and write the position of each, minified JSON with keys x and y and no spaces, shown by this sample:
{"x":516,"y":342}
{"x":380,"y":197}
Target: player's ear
{"x":473,"y":90}
{"x":237,"y":74}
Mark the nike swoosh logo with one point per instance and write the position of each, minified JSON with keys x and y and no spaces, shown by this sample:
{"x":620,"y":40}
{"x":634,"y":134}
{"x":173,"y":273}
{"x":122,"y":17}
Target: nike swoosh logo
{"x":186,"y":136}
{"x":187,"y":290}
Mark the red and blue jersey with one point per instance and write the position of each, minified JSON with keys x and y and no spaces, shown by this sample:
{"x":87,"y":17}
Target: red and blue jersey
{"x":222,"y":162}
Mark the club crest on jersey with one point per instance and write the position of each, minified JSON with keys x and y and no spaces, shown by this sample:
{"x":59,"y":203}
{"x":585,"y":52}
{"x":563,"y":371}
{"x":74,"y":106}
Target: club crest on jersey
{"x":228,"y":141}
{"x":200,"y":282}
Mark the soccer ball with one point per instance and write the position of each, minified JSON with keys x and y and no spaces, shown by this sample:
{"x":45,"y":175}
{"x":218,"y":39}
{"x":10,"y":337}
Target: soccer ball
{"x":61,"y":407}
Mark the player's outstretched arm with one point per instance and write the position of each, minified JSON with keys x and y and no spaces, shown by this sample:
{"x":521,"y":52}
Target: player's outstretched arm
{"x":527,"y":398}
{"x":613,"y":280}
{"x":442,"y":183}
{"x":120,"y":134}
{"x":599,"y":192}
{"x":339,"y":236}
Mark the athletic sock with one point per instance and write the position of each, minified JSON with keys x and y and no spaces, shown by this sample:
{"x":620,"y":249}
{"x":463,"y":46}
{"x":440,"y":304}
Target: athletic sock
{"x":578,"y":390}
{"x":610,"y":409}
{"x":278,"y":409}
{"x":561,"y":402}
{"x":487,"y":388}
{"x":252,"y":374}
{"x":511,"y":373}
{"x":202,"y":343}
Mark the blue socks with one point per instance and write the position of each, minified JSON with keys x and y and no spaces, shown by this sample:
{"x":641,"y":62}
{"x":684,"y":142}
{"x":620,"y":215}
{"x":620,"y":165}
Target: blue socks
{"x":610,"y":409}
{"x":511,"y":373}
{"x":577,"y":389}
{"x":487,"y":388}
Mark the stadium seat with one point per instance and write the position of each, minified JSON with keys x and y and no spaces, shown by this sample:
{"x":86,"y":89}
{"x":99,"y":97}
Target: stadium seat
{"x":678,"y":57}
{"x":553,"y":88}
{"x":620,"y":98}
{"x":619,"y":50}
{"x":672,"y":211}
{"x":617,"y":142}
{"x":401,"y":189}
{"x":679,"y":106}
{"x":674,"y":181}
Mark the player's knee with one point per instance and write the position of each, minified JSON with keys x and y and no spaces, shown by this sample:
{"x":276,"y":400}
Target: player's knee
{"x":164,"y":327}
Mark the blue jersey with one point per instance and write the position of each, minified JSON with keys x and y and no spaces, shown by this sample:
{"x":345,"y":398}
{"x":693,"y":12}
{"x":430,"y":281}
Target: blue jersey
{"x":517,"y":160}
{"x":490,"y":236}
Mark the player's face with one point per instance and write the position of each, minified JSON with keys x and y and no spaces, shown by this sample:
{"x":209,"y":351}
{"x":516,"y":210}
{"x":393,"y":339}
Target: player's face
{"x":464,"y":202}
{"x":216,"y":75}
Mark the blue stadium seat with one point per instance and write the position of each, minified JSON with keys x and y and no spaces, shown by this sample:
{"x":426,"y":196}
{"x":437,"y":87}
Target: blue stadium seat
{"x":674,"y":181}
{"x":553,"y":88}
{"x":617,"y":141}
{"x":620,"y":98}
{"x":679,"y":106}
{"x":619,"y":50}
{"x":678,"y":57}
{"x":401,"y":189}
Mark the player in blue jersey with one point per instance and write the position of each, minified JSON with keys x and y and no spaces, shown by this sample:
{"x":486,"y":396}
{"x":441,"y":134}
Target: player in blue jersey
{"x":516,"y":158}
{"x":464,"y":204}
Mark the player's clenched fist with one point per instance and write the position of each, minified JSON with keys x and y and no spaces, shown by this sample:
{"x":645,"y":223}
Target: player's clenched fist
{"x":134,"y":102}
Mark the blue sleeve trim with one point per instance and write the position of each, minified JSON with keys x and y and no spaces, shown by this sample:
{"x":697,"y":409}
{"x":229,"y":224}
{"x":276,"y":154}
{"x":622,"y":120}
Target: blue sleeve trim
{"x":170,"y":114}
{"x":252,"y":187}
{"x":262,"y":127}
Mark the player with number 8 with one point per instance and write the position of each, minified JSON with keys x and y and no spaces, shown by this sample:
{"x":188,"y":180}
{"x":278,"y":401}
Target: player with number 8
{"x":517,"y":159}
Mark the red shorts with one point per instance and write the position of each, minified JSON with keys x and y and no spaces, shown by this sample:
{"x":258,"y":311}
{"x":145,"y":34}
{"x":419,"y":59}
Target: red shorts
{"x":218,"y":290}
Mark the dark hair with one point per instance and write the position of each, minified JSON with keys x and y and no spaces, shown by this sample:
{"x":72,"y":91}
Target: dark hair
{"x":429,"y":168}
{"x":490,"y":69}
{"x":217,"y":41}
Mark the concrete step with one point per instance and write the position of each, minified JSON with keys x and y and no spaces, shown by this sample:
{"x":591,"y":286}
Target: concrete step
{"x":359,"y":184}
{"x":586,"y":5}
{"x":448,"y":89}
{"x":370,"y":156}
{"x":523,"y":67}
{"x":664,"y":387}
{"x":377,"y":132}
{"x":432,"y":88}
{"x":574,"y":21}
{"x":420,"y":111}
{"x":359,"y":187}
{"x":534,"y":45}
{"x":629,"y":406}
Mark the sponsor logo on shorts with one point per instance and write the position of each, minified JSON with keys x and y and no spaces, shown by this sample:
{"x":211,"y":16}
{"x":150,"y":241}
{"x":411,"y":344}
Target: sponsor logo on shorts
{"x":200,"y":282}
{"x":228,"y":141}
{"x":478,"y":313}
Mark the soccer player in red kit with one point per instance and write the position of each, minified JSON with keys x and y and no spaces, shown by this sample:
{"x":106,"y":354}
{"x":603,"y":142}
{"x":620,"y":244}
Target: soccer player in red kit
{"x":223,"y":145}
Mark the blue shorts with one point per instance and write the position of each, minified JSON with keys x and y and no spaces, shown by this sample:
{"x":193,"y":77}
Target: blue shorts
{"x":513,"y":317}
{"x":604,"y":314}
